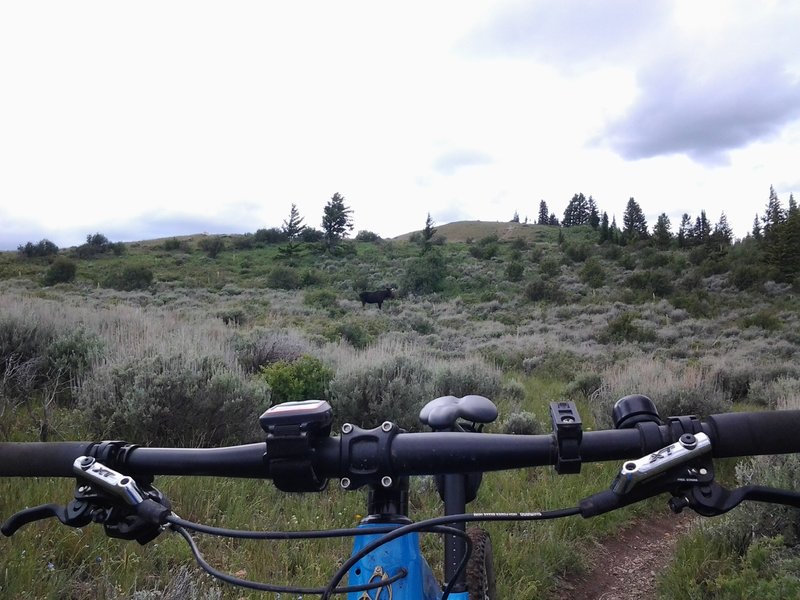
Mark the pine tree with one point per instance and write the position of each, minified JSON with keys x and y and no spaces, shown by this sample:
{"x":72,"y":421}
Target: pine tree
{"x":685,"y":231}
{"x":336,"y":221}
{"x":594,"y":216}
{"x":633,"y":221}
{"x":577,"y":212}
{"x":773,"y":215}
{"x":293,"y":227}
{"x":661,"y":231}
{"x":792,"y":207}
{"x":605,"y":232}
{"x":614,"y":232}
{"x":701,"y":233}
{"x":427,"y":233}
{"x":723,"y":234}
{"x":544,"y":215}
{"x":515,"y":218}
{"x":756,"y":228}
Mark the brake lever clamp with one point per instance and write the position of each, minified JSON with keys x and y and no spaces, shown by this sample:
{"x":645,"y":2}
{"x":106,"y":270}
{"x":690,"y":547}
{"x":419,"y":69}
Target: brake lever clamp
{"x":127,"y":509}
{"x":677,"y":469}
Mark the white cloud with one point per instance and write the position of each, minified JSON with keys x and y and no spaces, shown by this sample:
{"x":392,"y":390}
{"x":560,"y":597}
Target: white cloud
{"x":136,"y":118}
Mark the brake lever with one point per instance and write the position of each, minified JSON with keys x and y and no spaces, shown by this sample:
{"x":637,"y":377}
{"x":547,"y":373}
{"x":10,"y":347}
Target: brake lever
{"x":686,"y":471}
{"x":75,"y":514}
{"x":712,"y":500}
{"x":104,"y":496}
{"x":674,"y":468}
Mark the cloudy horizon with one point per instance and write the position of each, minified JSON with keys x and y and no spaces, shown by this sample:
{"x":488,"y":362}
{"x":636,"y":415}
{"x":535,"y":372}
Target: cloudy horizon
{"x":174,"y":118}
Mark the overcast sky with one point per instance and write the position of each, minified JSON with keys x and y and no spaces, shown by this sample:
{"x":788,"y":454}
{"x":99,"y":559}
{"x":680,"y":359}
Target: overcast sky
{"x":151,"y":119}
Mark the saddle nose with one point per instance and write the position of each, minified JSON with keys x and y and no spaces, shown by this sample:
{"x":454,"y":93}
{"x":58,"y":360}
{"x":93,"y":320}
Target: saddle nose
{"x":443,"y":412}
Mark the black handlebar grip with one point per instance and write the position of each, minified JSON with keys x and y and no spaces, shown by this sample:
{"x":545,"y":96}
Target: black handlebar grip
{"x":749,"y":434}
{"x":40,"y":459}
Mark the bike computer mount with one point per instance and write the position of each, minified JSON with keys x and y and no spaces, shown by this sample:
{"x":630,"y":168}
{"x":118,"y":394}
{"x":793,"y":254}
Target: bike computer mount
{"x":292,"y":428}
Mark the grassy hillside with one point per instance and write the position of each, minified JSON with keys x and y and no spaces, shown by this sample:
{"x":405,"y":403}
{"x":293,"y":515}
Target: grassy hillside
{"x":188,"y":340}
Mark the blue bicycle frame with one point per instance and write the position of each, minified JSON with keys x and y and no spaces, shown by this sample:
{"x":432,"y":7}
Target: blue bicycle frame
{"x":403,"y":553}
{"x":387,"y":561}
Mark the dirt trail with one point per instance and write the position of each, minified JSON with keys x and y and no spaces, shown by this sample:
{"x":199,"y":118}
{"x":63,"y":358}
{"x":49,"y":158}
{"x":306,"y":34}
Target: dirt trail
{"x":625,"y":566}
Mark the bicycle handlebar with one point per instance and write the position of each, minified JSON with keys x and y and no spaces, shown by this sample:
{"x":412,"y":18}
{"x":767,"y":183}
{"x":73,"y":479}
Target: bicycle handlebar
{"x":731,"y":434}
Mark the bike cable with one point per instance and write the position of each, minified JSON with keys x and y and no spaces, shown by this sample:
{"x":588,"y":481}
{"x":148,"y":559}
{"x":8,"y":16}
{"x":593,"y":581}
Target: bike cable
{"x":440,"y":521}
{"x":182,"y":526}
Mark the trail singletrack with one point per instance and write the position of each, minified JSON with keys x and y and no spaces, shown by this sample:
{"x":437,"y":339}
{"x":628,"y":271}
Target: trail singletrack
{"x":626,"y":566}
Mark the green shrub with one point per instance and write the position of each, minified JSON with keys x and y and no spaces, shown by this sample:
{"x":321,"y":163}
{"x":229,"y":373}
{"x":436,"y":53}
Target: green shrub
{"x":322,"y":298}
{"x":367,"y":236}
{"x":98,"y":244}
{"x":311,"y":235}
{"x":514,"y":271}
{"x":651,"y":283}
{"x":23,"y":358}
{"x":173,"y":244}
{"x":765,"y":319}
{"x":131,"y":277}
{"x":70,"y":357}
{"x":627,"y":261}
{"x":43,"y":248}
{"x":559,"y":365}
{"x":735,"y":384}
{"x":578,"y":252}
{"x":705,"y":566}
{"x":747,"y":276}
{"x":303,"y":379}
{"x":697,"y":304}
{"x":466,"y":376}
{"x":309,"y":277}
{"x":519,"y":244}
{"x":486,"y":248}
{"x":421,"y":324}
{"x":172,"y":401}
{"x":550,"y":267}
{"x":624,"y":328}
{"x":653,"y":259}
{"x":244,"y":242}
{"x":258,"y":348}
{"x":284,"y":278}
{"x":425,"y":274}
{"x":513,"y":390}
{"x":352,"y":332}
{"x":212,"y":246}
{"x":593,"y":274}
{"x":61,"y":271}
{"x":584,"y":384}
{"x":774,"y":390}
{"x":522,"y":423}
{"x":676,"y":388}
{"x":273,"y":235}
{"x":395,"y":387}
{"x":232,"y":316}
{"x":540,"y":290}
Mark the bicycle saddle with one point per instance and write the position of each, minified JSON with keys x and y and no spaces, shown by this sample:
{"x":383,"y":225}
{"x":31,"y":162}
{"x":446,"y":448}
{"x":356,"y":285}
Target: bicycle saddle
{"x":443,"y":412}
